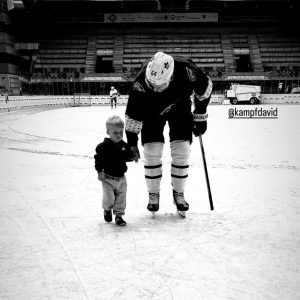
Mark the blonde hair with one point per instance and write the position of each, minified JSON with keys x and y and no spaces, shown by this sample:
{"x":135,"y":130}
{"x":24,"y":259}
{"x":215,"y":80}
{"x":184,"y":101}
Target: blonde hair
{"x":114,"y":121}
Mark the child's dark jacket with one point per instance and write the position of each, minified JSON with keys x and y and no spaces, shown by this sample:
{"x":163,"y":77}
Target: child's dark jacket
{"x":111,"y":157}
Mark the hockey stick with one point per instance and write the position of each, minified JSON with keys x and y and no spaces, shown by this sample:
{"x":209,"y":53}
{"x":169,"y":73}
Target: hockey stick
{"x":206,"y":174}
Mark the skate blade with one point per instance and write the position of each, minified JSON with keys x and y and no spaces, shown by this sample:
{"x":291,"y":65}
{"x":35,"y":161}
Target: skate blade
{"x":153,"y":214}
{"x":181,"y":213}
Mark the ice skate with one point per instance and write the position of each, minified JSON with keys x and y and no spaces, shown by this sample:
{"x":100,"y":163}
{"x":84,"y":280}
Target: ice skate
{"x":153,"y":205}
{"x":181,"y":205}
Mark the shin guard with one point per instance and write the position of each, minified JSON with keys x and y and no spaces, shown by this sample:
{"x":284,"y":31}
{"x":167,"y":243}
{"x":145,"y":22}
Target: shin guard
{"x":153,"y":165}
{"x":180,"y":152}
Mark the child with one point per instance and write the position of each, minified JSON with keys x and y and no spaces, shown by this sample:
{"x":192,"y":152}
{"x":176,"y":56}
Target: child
{"x":110,"y":163}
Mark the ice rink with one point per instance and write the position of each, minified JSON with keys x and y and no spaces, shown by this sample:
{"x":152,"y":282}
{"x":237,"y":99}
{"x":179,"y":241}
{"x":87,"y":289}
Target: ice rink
{"x":54,"y":243}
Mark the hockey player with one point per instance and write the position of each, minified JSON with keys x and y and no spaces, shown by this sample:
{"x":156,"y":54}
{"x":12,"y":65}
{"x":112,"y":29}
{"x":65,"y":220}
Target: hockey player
{"x":161,"y":93}
{"x":113,"y":97}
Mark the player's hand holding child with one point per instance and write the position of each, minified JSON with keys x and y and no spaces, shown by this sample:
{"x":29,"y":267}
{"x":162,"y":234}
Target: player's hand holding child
{"x":101,"y":176}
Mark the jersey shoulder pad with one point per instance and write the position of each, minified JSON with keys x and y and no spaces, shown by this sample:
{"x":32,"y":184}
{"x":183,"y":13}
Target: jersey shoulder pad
{"x":183,"y":61}
{"x":191,"y":74}
{"x":138,"y":87}
{"x":188,"y":67}
{"x":138,"y":84}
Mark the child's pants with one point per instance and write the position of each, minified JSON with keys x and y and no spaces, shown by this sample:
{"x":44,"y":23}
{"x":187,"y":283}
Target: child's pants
{"x":114,"y":194}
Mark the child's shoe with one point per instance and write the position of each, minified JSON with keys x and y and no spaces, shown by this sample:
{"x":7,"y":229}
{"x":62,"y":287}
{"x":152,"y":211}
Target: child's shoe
{"x":120,"y":221}
{"x":107,"y":216}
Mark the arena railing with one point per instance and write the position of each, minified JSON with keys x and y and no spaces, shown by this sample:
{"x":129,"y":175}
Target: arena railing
{"x":19,"y":102}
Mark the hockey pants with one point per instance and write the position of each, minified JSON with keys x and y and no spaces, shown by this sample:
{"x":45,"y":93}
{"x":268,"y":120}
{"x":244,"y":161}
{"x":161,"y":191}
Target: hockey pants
{"x":180,"y":153}
{"x":113,"y":101}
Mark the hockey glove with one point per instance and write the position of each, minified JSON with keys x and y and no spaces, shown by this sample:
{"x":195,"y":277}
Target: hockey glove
{"x":134,"y":153}
{"x":199,"y":124}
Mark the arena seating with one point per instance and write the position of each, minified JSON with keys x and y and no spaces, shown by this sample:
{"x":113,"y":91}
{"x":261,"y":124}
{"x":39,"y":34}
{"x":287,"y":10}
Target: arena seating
{"x":277,"y":55}
{"x":105,"y":42}
{"x":279,"y":51}
{"x":205,"y":50}
{"x":62,"y":53}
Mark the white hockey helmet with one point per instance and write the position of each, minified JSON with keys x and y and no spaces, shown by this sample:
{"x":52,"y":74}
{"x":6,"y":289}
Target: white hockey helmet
{"x":159,"y":71}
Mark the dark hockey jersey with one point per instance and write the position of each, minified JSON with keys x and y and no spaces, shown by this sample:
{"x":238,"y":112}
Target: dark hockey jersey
{"x":144,"y":102}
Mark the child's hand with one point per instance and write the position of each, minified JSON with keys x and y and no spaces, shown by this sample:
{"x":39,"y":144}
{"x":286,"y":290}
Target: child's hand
{"x":134,"y":153}
{"x":101,"y":176}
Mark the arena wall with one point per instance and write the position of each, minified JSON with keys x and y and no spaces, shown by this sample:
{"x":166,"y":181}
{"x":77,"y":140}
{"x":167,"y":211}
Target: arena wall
{"x":17,"y":102}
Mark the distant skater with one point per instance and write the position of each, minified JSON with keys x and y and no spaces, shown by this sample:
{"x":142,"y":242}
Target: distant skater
{"x":114,"y":94}
{"x":110,"y":163}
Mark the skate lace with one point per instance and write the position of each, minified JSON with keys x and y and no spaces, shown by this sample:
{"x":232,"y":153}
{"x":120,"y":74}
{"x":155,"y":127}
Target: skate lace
{"x":153,"y":198}
{"x":180,"y":198}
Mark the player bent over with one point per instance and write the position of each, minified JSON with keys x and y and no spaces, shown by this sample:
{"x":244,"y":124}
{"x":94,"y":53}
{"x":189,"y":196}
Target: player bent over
{"x":161,"y":93}
{"x":110,"y":163}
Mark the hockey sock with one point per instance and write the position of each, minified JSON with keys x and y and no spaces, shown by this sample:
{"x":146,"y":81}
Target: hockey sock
{"x":153,"y":166}
{"x":180,"y":152}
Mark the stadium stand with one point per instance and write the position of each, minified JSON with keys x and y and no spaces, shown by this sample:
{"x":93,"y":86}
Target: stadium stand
{"x":279,"y":51}
{"x":84,"y":48}
{"x":205,"y":50}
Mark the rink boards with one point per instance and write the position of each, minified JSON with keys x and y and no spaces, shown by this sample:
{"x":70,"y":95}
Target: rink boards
{"x":15,"y":102}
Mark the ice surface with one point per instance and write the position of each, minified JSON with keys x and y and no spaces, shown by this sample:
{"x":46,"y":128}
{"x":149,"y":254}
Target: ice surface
{"x":54,"y":243}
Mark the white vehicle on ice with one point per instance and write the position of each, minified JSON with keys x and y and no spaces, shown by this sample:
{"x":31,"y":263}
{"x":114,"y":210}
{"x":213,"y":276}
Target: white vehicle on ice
{"x":295,"y":90}
{"x":243,"y":93}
